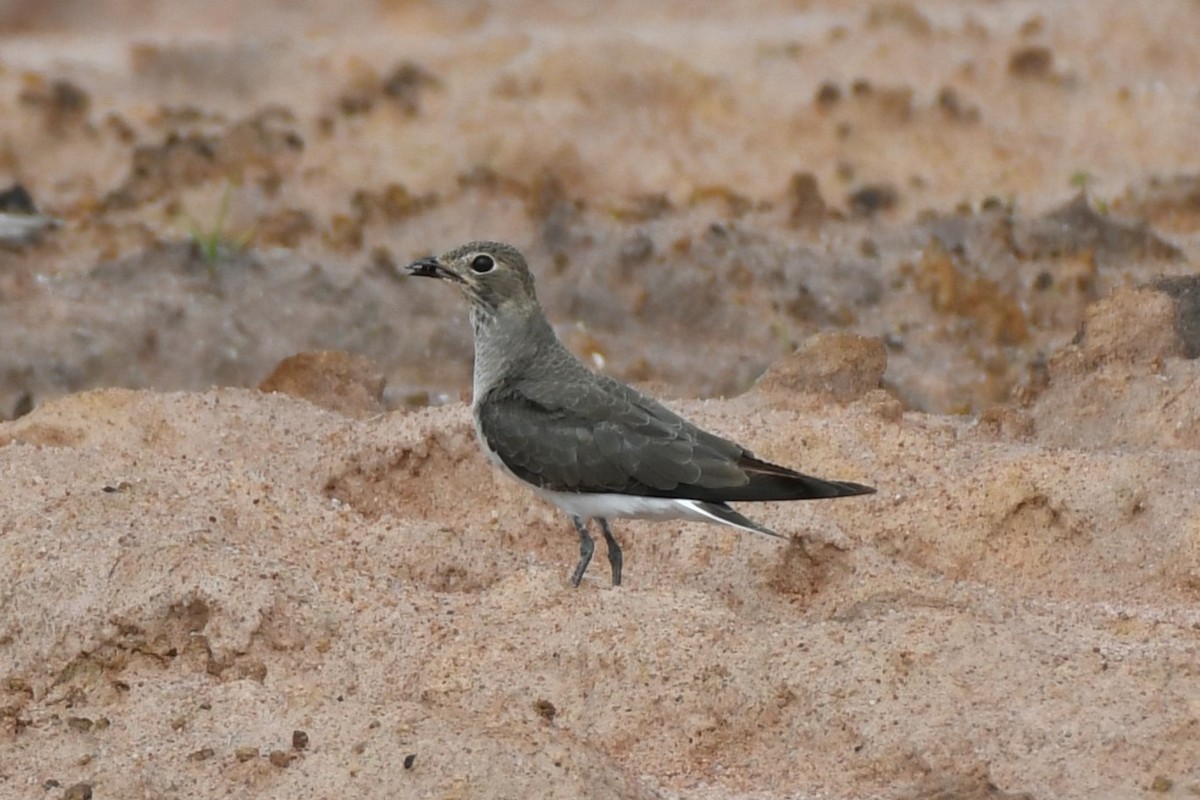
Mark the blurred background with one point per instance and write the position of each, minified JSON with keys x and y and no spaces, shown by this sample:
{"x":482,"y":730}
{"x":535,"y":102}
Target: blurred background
{"x":198,"y":191}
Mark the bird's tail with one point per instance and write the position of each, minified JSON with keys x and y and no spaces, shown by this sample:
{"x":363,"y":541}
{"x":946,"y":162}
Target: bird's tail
{"x":724,"y":515}
{"x":772,"y":482}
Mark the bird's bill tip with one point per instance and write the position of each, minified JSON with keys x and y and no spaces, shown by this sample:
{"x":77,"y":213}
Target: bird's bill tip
{"x":427,"y":267}
{"x":431,"y":267}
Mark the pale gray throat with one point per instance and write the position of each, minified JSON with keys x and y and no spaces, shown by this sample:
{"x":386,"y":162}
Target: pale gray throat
{"x":507,"y":342}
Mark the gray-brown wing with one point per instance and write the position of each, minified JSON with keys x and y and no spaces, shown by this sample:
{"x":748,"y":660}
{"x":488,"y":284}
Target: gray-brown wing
{"x":603,"y":437}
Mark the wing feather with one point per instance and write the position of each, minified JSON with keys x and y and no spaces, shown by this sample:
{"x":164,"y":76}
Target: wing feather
{"x":602,"y":436}
{"x":590,"y":439}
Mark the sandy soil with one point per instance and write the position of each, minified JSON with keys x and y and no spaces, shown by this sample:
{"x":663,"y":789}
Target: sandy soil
{"x":249,"y":547}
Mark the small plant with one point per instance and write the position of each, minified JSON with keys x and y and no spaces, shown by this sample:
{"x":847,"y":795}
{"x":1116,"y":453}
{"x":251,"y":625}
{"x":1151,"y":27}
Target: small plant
{"x":213,"y":240}
{"x":1081,"y":179}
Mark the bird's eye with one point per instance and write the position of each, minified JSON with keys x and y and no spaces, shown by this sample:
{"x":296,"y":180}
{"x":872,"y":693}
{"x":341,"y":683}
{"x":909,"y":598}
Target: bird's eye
{"x":482,"y":263}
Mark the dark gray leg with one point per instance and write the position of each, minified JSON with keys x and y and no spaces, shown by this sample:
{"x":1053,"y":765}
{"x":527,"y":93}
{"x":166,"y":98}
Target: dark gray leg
{"x":614,"y":551}
{"x":586,"y":548}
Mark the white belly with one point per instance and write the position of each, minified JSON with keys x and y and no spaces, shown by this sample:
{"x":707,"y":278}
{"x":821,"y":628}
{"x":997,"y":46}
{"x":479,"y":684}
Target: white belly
{"x":621,"y":506}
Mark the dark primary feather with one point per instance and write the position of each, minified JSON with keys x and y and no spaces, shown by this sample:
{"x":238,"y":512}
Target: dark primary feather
{"x":601,"y":436}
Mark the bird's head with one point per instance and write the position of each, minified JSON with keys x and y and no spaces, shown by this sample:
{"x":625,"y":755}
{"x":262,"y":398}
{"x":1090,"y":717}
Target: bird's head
{"x":493,"y":276}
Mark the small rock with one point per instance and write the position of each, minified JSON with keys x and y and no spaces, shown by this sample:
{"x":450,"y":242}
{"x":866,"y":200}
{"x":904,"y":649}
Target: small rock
{"x":873,"y":198}
{"x":63,"y":104}
{"x":1033,"y":61}
{"x":343,"y":382}
{"x":243,"y":754}
{"x":829,"y":94}
{"x":203,"y":754}
{"x":645,"y":207}
{"x":839,"y":365}
{"x":949,"y":101}
{"x":1161,"y":783}
{"x":545,"y":709}
{"x":406,"y":83}
{"x":299,"y":740}
{"x":17,"y":200}
{"x":78,"y":791}
{"x":806,"y":206}
{"x":280,"y":759}
{"x":1133,"y":325}
{"x":635,"y":250}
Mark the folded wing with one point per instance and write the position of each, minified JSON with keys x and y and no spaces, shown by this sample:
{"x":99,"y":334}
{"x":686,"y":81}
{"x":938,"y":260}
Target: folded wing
{"x":601,"y":436}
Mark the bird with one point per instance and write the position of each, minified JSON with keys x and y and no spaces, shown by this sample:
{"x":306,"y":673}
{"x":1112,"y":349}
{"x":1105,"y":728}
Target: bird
{"x":584,"y":441}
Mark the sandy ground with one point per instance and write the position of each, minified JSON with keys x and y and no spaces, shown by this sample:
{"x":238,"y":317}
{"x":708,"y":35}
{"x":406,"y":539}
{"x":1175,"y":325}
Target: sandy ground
{"x":249,"y":547}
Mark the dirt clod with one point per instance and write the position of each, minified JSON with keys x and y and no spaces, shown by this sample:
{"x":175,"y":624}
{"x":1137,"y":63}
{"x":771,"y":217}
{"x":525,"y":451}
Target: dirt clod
{"x":1031,"y":61}
{"x":78,"y":791}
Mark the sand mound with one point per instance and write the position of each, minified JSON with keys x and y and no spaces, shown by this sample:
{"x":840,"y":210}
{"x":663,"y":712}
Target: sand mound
{"x":193,"y":577}
{"x":945,"y":250}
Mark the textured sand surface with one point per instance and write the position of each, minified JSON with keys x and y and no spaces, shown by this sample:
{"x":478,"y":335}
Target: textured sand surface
{"x":849,"y":235}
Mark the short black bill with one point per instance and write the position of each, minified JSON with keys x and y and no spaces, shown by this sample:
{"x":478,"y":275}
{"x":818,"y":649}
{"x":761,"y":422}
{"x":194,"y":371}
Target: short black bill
{"x":428,"y":268}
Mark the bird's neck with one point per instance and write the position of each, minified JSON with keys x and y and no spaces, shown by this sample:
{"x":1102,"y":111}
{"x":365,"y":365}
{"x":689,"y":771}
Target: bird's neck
{"x":506,"y":342}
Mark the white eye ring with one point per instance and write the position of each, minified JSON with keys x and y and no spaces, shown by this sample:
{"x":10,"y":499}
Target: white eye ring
{"x":482,"y":263}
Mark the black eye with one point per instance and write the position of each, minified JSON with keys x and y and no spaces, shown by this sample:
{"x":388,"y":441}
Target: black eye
{"x":482,"y":263}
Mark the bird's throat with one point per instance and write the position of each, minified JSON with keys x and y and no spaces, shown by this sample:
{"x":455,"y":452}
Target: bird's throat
{"x":505,"y":341}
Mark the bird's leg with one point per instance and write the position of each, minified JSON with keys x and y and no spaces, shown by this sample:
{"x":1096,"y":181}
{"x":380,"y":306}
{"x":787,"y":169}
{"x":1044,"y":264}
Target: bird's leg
{"x":586,"y":548}
{"x":614,"y":551}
